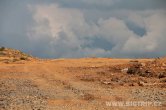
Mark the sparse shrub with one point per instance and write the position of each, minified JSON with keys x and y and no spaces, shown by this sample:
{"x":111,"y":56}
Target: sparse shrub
{"x":163,"y":80}
{"x":2,"y":48}
{"x":133,"y":70}
{"x":15,"y":60}
{"x":23,"y":58}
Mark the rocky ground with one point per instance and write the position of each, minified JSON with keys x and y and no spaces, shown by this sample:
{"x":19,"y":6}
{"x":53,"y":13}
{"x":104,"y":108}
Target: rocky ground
{"x":81,"y":84}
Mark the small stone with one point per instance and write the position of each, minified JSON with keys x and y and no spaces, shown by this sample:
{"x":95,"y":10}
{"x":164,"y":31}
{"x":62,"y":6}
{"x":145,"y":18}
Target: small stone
{"x":125,"y":70}
{"x":107,"y":83}
{"x":140,"y":83}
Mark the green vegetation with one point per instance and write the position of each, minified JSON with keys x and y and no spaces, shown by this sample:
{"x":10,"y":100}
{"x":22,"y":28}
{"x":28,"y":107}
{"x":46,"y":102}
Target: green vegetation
{"x":2,"y":48}
{"x":23,"y":58}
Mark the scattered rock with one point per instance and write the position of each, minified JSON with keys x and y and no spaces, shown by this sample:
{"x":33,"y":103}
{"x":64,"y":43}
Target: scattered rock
{"x":149,"y":94}
{"x":125,"y":70}
{"x":162,"y":75}
{"x":131,"y":84}
{"x":163,"y":80}
{"x":149,"y":69}
{"x":21,"y":94}
{"x":107,"y":83}
{"x":86,"y":96}
{"x":140,"y":83}
{"x":115,"y":79}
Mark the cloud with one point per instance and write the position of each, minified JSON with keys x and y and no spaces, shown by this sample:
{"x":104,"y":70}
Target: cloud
{"x":80,"y":28}
{"x":153,"y":40}
{"x":70,"y":35}
{"x":107,"y":5}
{"x":83,"y":4}
{"x":64,"y":27}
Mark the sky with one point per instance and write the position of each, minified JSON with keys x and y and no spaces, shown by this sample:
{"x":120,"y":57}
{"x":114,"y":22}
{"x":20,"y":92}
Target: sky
{"x":84,"y":28}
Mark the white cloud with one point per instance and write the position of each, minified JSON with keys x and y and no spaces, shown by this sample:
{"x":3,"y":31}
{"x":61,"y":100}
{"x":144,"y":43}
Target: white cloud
{"x":69,"y":33}
{"x":155,"y":26}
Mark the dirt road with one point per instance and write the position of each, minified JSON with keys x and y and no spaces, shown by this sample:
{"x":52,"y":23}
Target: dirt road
{"x":76,"y":84}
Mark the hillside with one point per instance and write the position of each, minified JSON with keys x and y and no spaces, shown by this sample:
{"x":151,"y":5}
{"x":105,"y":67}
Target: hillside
{"x":11,"y":55}
{"x":80,"y":84}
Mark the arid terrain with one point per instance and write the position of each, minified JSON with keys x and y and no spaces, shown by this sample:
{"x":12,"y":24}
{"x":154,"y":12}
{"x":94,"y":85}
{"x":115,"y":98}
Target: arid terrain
{"x":28,"y":83}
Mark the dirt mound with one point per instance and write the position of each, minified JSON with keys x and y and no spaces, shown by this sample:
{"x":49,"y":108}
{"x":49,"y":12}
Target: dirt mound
{"x":8,"y":55}
{"x":155,"y":68}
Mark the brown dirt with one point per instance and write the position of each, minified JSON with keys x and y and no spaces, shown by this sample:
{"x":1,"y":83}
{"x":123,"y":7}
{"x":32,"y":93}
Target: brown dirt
{"x":79,"y":84}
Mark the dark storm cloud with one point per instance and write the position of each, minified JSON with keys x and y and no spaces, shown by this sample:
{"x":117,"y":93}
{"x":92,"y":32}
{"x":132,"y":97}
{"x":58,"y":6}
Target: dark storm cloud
{"x":113,"y":4}
{"x":79,"y":28}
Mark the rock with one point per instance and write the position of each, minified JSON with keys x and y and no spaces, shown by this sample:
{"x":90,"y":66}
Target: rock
{"x":131,"y":84}
{"x":87,"y":96}
{"x":140,"y":83}
{"x":146,"y":73}
{"x":162,"y":75}
{"x":107,"y":83}
{"x":125,"y":70}
{"x":163,"y":80}
{"x":115,"y":79}
{"x":143,"y":64}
